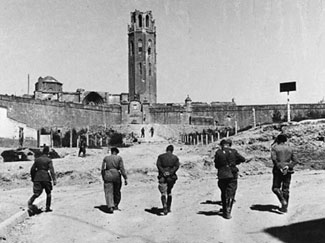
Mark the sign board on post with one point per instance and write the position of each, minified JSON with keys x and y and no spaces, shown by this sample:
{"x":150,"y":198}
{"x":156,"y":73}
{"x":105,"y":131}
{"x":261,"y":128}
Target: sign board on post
{"x":287,"y":87}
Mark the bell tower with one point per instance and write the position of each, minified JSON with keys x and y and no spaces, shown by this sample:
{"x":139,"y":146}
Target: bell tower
{"x":142,"y":57}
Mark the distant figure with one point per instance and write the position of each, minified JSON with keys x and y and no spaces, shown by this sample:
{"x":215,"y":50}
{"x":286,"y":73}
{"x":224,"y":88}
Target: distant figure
{"x":42,"y":173}
{"x":167,"y":165}
{"x":21,"y":137}
{"x":82,"y":146}
{"x":111,"y":171}
{"x":225,"y":161}
{"x":142,"y":132}
{"x":152,"y":131}
{"x":284,"y":160}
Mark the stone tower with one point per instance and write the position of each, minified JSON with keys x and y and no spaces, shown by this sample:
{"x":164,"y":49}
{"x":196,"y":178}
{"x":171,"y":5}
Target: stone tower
{"x":142,"y":57}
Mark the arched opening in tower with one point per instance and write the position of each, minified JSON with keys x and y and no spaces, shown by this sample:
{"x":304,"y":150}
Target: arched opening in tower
{"x":147,"y":21}
{"x":93,"y":98}
{"x":140,"y":21}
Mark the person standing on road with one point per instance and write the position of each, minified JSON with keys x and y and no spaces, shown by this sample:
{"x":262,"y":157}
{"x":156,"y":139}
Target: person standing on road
{"x":82,"y":146}
{"x":167,"y":165}
{"x":225,"y":161}
{"x":284,"y":160}
{"x":152,"y":131}
{"x":142,"y":132}
{"x":112,"y":169}
{"x":42,"y":173}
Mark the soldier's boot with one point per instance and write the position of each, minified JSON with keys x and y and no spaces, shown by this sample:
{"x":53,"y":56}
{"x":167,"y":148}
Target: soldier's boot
{"x":169,"y":203}
{"x":31,"y":200}
{"x":224,"y":206}
{"x":164,"y":204}
{"x":279,"y":194}
{"x":229,"y":203}
{"x":48,"y":202}
{"x":284,"y":207}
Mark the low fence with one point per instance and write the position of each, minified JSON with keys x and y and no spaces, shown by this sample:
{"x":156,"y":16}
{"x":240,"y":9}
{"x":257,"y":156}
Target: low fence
{"x":205,"y":138}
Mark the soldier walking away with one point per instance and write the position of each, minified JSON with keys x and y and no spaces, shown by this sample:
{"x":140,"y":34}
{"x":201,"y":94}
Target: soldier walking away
{"x":82,"y":146}
{"x":112,"y":169}
{"x":284,"y":161}
{"x":42,"y":173}
{"x":142,"y":132}
{"x":167,"y":165}
{"x":152,"y":131}
{"x":225,"y":161}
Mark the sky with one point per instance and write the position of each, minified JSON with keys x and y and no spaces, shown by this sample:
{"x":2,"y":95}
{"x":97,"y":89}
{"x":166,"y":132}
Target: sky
{"x":211,"y":50}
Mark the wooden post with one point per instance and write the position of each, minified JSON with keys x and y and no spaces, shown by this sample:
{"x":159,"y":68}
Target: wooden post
{"x":236,"y":127}
{"x":70,"y":137}
{"x":254,"y":118}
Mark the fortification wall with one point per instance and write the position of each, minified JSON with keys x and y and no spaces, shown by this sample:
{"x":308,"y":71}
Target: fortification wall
{"x":228,"y":115}
{"x":39,"y":113}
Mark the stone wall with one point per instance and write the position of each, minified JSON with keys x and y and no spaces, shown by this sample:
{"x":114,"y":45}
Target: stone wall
{"x":39,"y":113}
{"x":229,"y":115}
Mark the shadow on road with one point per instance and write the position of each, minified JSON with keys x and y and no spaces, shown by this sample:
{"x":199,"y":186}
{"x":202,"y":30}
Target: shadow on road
{"x":155,"y":210}
{"x":266,"y":208}
{"x":102,"y":208}
{"x":212,"y":202}
{"x":308,"y":231}
{"x":210,"y":213}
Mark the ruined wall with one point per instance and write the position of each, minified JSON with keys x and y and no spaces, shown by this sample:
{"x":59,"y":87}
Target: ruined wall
{"x":39,"y":113}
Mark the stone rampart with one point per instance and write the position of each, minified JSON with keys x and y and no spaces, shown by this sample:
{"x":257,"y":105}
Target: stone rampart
{"x":42,"y":113}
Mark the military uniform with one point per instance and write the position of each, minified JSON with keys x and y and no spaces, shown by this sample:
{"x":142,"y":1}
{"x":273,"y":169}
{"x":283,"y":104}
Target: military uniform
{"x":284,"y":161}
{"x":112,"y":169}
{"x":42,"y":173}
{"x":167,"y":165}
{"x":225,"y":161}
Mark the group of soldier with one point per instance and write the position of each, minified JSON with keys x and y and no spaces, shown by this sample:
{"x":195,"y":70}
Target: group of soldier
{"x":226,"y":160}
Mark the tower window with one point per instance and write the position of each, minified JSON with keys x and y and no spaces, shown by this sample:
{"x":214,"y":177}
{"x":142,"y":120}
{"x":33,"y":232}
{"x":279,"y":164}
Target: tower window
{"x":140,"y":46}
{"x":147,"y":21}
{"x":140,"y":68}
{"x":149,"y":47}
{"x":140,"y":21}
{"x":149,"y":69}
{"x":131,"y":49}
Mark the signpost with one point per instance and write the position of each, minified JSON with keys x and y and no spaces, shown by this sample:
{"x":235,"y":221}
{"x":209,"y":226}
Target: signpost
{"x":287,"y":87}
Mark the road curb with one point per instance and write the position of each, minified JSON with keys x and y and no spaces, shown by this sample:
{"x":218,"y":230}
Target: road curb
{"x":15,"y":219}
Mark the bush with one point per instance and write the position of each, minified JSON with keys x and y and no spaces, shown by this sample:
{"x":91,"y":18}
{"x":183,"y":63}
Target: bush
{"x":276,"y":116}
{"x":116,"y":139}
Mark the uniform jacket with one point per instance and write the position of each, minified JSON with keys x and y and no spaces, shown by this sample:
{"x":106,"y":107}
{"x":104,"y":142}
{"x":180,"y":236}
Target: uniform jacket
{"x":167,"y":162}
{"x":282,"y":155}
{"x":42,"y":169}
{"x":113,"y":167}
{"x":227,"y":158}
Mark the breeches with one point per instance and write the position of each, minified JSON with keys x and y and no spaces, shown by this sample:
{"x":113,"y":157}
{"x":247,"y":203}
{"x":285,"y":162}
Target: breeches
{"x":228,"y":187}
{"x":38,"y":187}
{"x":281,"y":182}
{"x":166,"y":187}
{"x":112,"y":193}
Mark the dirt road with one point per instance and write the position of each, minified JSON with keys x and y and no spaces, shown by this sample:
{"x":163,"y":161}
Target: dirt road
{"x":79,"y":215}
